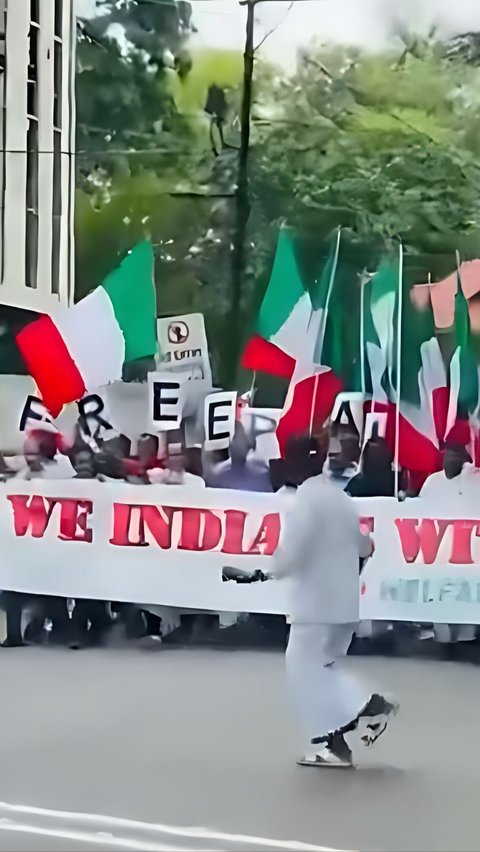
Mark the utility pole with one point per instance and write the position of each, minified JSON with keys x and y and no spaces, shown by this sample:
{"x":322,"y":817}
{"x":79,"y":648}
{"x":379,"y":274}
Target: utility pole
{"x":242,"y":200}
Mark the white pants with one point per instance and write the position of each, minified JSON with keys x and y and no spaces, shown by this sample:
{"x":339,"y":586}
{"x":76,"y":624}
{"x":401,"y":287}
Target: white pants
{"x":324,"y":697}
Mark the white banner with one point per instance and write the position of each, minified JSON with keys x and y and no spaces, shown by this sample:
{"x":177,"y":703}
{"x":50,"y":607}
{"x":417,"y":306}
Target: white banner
{"x":168,"y":545}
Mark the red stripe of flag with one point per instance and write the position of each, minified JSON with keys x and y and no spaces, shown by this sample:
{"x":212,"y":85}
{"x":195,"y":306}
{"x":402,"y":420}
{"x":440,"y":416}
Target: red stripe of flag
{"x":264,"y":357}
{"x":50,"y":364}
{"x":320,"y":394}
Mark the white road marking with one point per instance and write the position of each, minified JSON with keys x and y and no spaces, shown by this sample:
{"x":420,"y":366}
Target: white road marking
{"x":100,"y":822}
{"x":98,"y":839}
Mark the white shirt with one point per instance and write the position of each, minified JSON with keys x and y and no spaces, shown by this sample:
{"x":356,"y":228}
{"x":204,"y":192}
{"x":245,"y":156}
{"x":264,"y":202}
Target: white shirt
{"x":466,"y":484}
{"x":320,"y":551}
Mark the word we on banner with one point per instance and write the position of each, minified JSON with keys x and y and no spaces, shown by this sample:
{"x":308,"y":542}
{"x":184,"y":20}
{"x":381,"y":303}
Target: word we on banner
{"x":168,"y":545}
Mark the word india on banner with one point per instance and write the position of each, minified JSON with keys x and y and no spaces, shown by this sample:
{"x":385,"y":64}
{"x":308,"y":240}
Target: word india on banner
{"x":168,"y":544}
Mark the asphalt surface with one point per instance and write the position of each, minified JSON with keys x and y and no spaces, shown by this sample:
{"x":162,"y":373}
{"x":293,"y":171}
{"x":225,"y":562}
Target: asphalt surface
{"x":136,"y":749}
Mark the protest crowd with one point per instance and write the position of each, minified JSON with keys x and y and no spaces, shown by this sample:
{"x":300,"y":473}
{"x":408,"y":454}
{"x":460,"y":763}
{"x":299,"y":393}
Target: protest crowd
{"x":404,"y":427}
{"x":164,"y":459}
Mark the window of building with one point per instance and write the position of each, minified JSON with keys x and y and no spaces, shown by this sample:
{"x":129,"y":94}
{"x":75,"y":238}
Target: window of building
{"x":35,"y":11}
{"x":31,"y":238}
{"x":31,"y":247}
{"x":57,"y":85}
{"x":32,"y":77}
{"x":57,"y":210}
{"x":3,"y":29}
{"x":58,"y":18}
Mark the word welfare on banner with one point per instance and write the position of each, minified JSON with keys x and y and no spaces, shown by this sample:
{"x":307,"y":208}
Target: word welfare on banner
{"x":85,"y":539}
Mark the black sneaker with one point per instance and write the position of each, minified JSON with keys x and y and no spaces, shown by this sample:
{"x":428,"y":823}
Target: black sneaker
{"x":372,"y":721}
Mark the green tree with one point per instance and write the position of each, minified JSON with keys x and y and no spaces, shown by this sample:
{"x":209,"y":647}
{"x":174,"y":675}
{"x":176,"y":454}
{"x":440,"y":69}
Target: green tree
{"x":387,"y":144}
{"x":156,"y":155}
{"x":384,"y":144}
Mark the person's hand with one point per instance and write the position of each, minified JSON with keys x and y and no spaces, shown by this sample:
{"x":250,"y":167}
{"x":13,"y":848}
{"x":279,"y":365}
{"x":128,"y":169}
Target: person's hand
{"x":259,"y":576}
{"x":239,"y":576}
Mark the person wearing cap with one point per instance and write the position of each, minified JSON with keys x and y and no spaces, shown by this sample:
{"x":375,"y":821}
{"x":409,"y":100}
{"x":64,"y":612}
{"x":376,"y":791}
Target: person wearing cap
{"x":458,"y":479}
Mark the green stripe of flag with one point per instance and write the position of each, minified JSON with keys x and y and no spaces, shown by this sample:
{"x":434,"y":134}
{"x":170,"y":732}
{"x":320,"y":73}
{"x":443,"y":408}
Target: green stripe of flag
{"x":131,"y":291}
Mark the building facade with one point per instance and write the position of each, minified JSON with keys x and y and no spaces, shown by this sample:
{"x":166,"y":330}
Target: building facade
{"x":37,"y":162}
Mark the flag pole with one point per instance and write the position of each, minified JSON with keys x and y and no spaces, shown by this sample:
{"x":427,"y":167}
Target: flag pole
{"x":362,"y":333}
{"x":333,"y":272}
{"x":312,"y":407}
{"x":363,"y":281}
{"x":399,"y":370}
{"x":252,"y":386}
{"x":324,"y":323}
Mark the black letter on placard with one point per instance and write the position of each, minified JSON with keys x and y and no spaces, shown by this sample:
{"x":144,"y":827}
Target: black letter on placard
{"x":212,"y":419}
{"x":87,"y":413}
{"x":159,"y":400}
{"x":345,"y":411}
{"x":34,"y":409}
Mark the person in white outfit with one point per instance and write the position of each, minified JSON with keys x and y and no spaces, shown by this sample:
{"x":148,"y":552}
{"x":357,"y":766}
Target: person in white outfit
{"x":459,"y":480}
{"x":321,"y":551}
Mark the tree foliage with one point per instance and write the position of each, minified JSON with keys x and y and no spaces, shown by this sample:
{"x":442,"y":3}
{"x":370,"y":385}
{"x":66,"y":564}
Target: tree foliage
{"x":142,"y":97}
{"x":156,"y":152}
{"x":385,"y":144}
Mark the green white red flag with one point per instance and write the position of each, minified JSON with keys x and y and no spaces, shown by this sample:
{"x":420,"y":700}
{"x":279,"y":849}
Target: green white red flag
{"x":79,"y":349}
{"x":284,"y":316}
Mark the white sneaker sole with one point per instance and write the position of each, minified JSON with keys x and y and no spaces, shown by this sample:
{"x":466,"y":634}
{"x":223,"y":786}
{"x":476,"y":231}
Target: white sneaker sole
{"x":325,"y":764}
{"x":322,"y":758}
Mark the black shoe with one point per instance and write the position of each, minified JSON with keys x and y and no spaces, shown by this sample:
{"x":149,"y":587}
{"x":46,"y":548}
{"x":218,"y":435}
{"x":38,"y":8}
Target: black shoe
{"x":339,"y":746}
{"x":375,"y":716}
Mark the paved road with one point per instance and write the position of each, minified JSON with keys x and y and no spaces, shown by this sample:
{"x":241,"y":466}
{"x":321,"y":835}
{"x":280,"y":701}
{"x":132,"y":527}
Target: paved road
{"x":185,"y":738}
